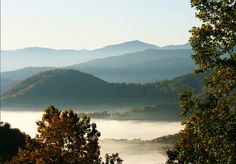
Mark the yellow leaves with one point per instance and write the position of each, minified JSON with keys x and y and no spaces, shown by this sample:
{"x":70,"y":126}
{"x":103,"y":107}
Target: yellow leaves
{"x":195,"y":2}
{"x":207,"y":27}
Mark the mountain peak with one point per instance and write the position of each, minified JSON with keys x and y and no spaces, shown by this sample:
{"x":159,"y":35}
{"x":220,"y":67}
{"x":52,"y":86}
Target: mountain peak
{"x":135,"y":41}
{"x":126,"y":47}
{"x":33,"y":49}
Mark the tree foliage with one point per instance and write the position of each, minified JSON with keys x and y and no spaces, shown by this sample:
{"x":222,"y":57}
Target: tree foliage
{"x":10,"y":141}
{"x":63,"y":137}
{"x":112,"y":159}
{"x":210,"y":129}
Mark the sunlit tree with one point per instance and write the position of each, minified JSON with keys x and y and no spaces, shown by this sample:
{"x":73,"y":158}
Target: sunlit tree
{"x":209,"y":135}
{"x":63,"y":137}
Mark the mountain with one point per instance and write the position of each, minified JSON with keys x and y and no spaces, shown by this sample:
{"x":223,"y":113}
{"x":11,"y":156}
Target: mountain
{"x":43,"y":51}
{"x":143,"y":72}
{"x":23,"y":73}
{"x":40,"y":57}
{"x":123,"y":48}
{"x":183,"y":46}
{"x":134,"y":58}
{"x":55,"y":85}
{"x":73,"y":87}
{"x":7,"y":84}
{"x":10,"y":78}
{"x":46,"y":57}
{"x":139,"y":67}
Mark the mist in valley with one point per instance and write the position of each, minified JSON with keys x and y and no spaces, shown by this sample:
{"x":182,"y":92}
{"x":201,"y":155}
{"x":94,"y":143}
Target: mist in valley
{"x":129,"y":138}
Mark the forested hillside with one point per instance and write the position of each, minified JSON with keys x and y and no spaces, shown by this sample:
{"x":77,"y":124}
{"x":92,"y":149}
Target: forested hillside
{"x":75,"y":87}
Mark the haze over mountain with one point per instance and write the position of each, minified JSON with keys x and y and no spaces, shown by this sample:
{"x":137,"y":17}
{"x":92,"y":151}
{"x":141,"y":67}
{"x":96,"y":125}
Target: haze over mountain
{"x":123,"y":48}
{"x":23,"y":73}
{"x":46,"y":57}
{"x":184,"y":46}
{"x":134,"y":58}
{"x":7,"y":84}
{"x":143,"y":62}
{"x":139,"y":67}
{"x":78,"y":88}
{"x":147,"y":71}
{"x":10,"y":78}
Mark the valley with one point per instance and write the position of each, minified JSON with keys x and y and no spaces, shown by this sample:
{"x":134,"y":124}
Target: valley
{"x":132,"y":85}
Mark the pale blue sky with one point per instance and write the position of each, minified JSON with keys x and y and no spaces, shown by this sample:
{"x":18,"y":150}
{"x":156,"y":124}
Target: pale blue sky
{"x":77,"y":24}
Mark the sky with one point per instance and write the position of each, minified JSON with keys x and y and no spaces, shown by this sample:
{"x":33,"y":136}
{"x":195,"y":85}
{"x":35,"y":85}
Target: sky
{"x":91,"y":24}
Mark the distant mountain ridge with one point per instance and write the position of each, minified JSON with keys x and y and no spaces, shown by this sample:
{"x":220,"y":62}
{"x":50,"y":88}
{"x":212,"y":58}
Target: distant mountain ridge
{"x":136,"y":57}
{"x":11,"y":78}
{"x":24,"y":73}
{"x":119,"y":68}
{"x":139,"y":67}
{"x":147,"y":71}
{"x":35,"y":56}
{"x":127,"y":47}
{"x":183,"y":46}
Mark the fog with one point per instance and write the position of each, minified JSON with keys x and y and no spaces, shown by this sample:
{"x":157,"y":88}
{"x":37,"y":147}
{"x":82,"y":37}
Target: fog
{"x":131,"y":151}
{"x":134,"y":152}
{"x":144,"y":130}
{"x":135,"y":129}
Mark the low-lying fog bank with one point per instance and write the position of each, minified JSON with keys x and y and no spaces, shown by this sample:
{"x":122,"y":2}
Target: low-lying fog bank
{"x":116,"y":129}
{"x":126,"y":137}
{"x":137,"y":151}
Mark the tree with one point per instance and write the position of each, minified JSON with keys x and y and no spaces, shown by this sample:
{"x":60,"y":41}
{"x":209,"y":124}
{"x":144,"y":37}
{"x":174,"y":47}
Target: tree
{"x":10,"y":141}
{"x":113,"y":159}
{"x":64,"y":137}
{"x":210,"y":127}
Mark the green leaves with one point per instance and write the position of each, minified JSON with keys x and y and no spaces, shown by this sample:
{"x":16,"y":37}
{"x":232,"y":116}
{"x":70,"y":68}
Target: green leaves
{"x":210,"y":129}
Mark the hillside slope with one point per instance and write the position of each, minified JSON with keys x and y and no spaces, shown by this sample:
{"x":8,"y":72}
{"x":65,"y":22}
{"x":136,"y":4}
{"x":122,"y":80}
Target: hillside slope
{"x":144,"y":72}
{"x":75,"y":87}
{"x":136,"y":57}
{"x":139,"y":67}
